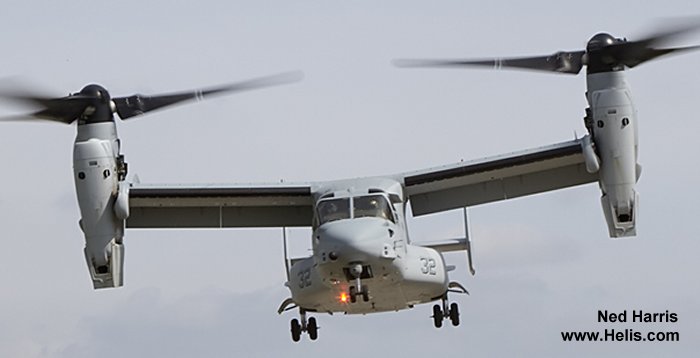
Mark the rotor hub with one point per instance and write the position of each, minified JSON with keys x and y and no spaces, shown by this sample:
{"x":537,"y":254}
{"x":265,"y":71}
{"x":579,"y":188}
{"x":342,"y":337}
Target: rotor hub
{"x":601,"y":40}
{"x":100,"y":107}
{"x":97,"y":92}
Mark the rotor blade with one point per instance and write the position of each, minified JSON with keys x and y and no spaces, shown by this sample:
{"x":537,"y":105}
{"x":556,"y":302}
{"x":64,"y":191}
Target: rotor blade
{"x":32,"y":117}
{"x":668,"y":33}
{"x":64,"y":109}
{"x":19,"y":118}
{"x":562,"y":62}
{"x":633,"y":57}
{"x":633,"y":53}
{"x":138,"y":104}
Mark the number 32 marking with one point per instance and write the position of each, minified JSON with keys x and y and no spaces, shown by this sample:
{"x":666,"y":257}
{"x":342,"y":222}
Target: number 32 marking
{"x":427,"y":266}
{"x":304,"y":278}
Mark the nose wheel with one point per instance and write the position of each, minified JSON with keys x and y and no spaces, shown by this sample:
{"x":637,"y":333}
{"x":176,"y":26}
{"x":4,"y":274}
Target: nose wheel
{"x":299,"y":326}
{"x":364,"y":292}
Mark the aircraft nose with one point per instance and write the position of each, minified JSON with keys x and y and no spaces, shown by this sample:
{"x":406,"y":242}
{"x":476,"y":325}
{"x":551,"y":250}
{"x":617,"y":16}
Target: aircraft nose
{"x":352,"y":241}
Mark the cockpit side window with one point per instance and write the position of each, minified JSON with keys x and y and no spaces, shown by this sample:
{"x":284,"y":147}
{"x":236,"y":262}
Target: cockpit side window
{"x":372,"y":206}
{"x":333,"y":209}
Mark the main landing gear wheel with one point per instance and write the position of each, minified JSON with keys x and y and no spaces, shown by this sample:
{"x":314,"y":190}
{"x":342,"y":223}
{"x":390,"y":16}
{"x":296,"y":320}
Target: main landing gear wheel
{"x":310,"y":327}
{"x":437,"y":316}
{"x":454,"y":314}
{"x":296,"y":330}
{"x":445,"y":311}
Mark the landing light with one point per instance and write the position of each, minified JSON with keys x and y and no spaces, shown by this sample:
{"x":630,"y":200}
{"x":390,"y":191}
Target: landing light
{"x":343,"y":297}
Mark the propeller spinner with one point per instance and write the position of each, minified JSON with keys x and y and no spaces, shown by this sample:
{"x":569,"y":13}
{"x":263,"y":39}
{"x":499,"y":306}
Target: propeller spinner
{"x":93,"y":104}
{"x":603,"y":53}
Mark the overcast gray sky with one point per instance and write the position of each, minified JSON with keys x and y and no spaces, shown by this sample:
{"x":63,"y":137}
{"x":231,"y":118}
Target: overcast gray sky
{"x":544,"y":263}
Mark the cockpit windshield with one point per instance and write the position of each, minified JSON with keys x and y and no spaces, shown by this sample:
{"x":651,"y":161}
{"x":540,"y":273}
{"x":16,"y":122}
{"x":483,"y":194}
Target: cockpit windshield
{"x":376,"y":206}
{"x":372,"y":206}
{"x":333,"y":209}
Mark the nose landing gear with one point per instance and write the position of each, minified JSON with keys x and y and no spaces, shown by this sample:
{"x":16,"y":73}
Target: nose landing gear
{"x":310,"y":327}
{"x":357,"y":290}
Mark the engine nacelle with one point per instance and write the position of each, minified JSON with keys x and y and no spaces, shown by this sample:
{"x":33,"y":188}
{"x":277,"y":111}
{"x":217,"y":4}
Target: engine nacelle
{"x":103,"y":201}
{"x":615,"y":137}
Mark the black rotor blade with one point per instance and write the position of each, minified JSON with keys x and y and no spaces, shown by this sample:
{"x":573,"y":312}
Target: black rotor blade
{"x":668,"y":33}
{"x":561,"y":62}
{"x":633,"y":57}
{"x":64,"y":109}
{"x":633,"y":53}
{"x":138,"y":104}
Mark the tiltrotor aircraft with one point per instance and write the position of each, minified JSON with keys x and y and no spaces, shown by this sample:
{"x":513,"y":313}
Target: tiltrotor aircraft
{"x":363,"y":260}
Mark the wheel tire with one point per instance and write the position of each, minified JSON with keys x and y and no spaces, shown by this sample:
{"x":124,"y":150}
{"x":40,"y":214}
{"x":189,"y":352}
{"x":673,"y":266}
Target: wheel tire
{"x":454,"y":314}
{"x":312,"y":328}
{"x":437,"y":316}
{"x":353,"y":294}
{"x":296,"y":330}
{"x":365,"y":294}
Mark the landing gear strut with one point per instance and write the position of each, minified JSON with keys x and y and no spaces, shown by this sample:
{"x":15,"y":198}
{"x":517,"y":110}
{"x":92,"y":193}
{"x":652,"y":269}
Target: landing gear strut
{"x":358,"y":289}
{"x":310,"y":327}
{"x":446,"y":311}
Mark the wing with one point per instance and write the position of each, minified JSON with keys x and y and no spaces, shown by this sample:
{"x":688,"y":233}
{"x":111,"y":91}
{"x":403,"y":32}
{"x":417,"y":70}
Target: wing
{"x":219,"y":206}
{"x":497,"y":178}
